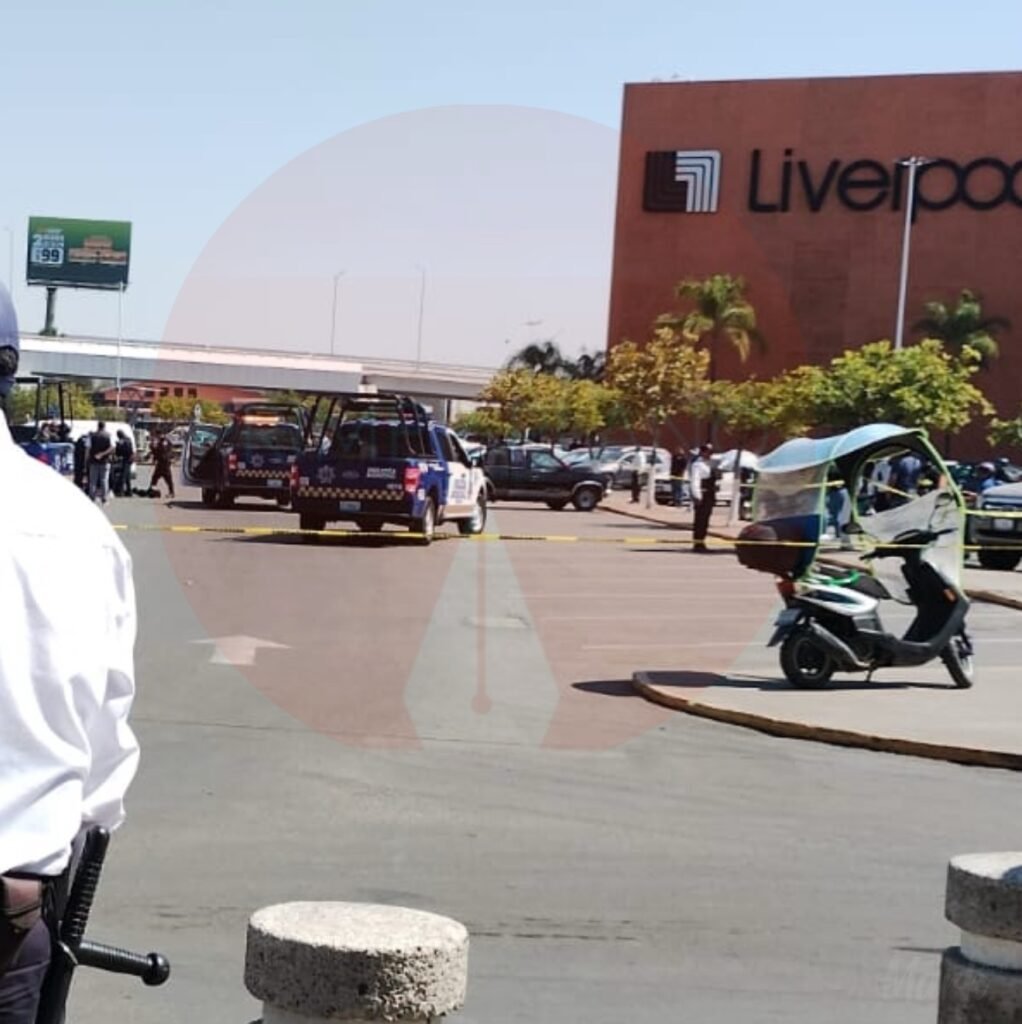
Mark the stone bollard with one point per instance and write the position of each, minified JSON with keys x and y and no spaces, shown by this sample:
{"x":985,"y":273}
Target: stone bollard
{"x":981,"y":980}
{"x":354,"y":962}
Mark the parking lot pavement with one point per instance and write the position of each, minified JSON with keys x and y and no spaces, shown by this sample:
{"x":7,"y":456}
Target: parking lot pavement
{"x":453,"y":728}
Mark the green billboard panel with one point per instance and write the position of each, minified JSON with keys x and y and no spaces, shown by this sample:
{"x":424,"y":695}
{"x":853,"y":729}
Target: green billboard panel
{"x":78,"y":253}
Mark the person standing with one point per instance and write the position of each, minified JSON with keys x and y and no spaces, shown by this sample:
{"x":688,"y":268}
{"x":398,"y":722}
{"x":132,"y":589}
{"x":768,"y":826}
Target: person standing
{"x":101,"y":451}
{"x":702,"y":482}
{"x":124,"y":453}
{"x":162,"y":455}
{"x":81,"y":458}
{"x":67,"y":753}
{"x":638,"y":468}
{"x":679,"y":463}
{"x":905,"y":474}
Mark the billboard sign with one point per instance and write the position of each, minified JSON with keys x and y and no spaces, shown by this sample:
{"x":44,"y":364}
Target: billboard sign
{"x":78,"y":253}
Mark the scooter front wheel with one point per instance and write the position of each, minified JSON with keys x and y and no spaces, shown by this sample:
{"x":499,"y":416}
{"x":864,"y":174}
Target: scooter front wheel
{"x":957,"y":657}
{"x":804,"y":662}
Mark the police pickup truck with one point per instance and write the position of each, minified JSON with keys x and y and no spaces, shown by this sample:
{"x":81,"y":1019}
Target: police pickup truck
{"x":249,"y":457}
{"x":377,"y":459}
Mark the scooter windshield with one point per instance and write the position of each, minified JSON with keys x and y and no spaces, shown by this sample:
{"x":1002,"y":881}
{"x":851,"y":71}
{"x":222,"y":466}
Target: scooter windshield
{"x":937,"y":512}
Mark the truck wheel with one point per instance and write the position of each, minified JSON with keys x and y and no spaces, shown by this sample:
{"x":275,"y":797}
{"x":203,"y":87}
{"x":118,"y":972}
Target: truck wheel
{"x":804,"y":662}
{"x":426,"y":523}
{"x":475,"y":525}
{"x":307,"y":521}
{"x":557,"y":506}
{"x":208,"y":497}
{"x":586,"y":499}
{"x":1004,"y":560}
{"x":225,"y":499}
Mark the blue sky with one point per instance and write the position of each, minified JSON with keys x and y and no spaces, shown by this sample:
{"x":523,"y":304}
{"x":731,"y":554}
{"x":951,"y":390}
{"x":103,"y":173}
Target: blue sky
{"x":171,"y":114}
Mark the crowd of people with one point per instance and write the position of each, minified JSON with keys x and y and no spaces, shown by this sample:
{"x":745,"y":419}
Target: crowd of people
{"x":102,"y":465}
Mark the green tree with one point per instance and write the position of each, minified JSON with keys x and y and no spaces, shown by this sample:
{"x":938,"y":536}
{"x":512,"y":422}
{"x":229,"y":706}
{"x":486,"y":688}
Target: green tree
{"x":592,"y":406}
{"x":485,"y":422}
{"x":963,"y":324}
{"x":719,"y":313}
{"x":182,"y":409}
{"x":748,"y":409}
{"x":658,"y":381}
{"x":1006,"y":433}
{"x":919,"y":386}
{"x":22,"y":402}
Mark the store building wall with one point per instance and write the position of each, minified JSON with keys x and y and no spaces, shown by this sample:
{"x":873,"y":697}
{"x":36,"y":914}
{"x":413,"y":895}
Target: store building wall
{"x":793,"y":184}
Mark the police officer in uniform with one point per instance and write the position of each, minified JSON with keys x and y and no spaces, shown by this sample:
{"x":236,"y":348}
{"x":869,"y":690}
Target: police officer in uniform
{"x":67,"y":753}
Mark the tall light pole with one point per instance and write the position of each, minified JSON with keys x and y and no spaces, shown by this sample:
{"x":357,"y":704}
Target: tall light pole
{"x":333,"y":311}
{"x":913,"y":163}
{"x":422,"y":307}
{"x":10,"y":259}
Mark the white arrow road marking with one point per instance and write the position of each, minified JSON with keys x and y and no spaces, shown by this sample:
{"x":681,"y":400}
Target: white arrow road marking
{"x":237,"y":650}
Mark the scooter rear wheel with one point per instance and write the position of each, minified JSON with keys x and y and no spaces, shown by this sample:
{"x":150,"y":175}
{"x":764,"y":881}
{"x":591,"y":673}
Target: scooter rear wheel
{"x":804,"y":662}
{"x":957,"y":658}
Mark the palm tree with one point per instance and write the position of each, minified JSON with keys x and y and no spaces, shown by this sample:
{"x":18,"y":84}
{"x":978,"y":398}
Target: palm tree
{"x":719,"y":312}
{"x":540,"y":357}
{"x":588,"y":366}
{"x":546,"y":357}
{"x":963,"y":325}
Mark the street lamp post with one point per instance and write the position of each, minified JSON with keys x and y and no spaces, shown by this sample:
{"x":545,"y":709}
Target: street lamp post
{"x":913,"y":163}
{"x":333,"y":311}
{"x":422,"y":307}
{"x":10,"y":259}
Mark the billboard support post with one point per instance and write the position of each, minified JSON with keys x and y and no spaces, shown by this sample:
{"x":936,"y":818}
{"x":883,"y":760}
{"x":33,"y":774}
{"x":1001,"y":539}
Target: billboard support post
{"x":120,"y":334}
{"x":51,"y":306}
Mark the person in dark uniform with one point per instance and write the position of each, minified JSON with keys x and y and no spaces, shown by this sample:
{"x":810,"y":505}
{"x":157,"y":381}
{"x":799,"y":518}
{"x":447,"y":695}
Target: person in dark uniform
{"x":124,"y":453}
{"x":162,"y":454}
{"x":703,"y":483}
{"x":82,"y":462}
{"x":679,"y":463}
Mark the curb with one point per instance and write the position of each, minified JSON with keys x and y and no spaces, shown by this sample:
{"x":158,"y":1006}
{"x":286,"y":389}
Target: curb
{"x":824,"y":734}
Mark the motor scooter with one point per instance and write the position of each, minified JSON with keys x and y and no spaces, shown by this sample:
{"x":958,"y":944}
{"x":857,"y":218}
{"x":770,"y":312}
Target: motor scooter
{"x":831,"y":621}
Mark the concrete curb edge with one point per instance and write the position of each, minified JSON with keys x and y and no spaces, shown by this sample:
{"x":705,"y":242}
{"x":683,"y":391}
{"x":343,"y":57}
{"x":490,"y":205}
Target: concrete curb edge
{"x":824,"y":734}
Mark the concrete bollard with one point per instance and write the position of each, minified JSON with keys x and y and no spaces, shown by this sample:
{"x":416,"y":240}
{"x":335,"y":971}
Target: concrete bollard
{"x":981,"y":980}
{"x":354,"y":962}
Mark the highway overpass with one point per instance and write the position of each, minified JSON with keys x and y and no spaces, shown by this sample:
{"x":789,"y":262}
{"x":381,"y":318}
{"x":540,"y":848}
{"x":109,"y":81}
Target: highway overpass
{"x":108,"y":359}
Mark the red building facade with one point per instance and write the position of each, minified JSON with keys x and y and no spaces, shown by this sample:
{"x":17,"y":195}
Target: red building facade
{"x":796,"y":185}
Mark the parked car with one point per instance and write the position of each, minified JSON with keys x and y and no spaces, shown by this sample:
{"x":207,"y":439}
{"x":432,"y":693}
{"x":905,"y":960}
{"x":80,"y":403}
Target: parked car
{"x":999,"y":536}
{"x":534,"y":473}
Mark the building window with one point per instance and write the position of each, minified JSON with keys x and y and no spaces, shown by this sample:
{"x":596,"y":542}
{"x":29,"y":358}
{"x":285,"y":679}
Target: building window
{"x":164,"y":392}
{"x":193,"y":393}
{"x":179,"y":392}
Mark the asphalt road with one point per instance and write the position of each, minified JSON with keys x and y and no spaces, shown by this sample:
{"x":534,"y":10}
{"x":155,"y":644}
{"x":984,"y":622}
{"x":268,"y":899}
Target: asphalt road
{"x":451,"y":728}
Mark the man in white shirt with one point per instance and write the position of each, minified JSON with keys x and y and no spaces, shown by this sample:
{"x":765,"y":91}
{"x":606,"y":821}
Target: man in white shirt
{"x":703,"y":484}
{"x":67,"y":753}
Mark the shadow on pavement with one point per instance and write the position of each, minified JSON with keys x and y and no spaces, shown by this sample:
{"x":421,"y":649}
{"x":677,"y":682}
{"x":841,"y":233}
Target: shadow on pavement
{"x":694,"y":680}
{"x":198,"y":506}
{"x":608,"y":688}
